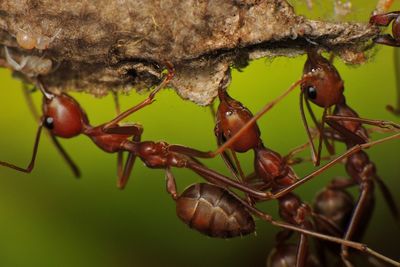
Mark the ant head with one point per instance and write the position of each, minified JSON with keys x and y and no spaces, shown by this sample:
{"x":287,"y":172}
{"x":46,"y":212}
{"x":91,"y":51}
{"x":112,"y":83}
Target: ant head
{"x":63,"y":116}
{"x":322,"y":83}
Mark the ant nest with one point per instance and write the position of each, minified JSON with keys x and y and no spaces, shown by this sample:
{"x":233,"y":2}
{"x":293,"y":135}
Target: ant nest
{"x":105,"y":45}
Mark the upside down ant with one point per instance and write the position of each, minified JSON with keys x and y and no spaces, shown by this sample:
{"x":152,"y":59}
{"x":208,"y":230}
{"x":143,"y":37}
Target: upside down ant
{"x":65,"y":118}
{"x":390,"y":40}
{"x":271,"y":170}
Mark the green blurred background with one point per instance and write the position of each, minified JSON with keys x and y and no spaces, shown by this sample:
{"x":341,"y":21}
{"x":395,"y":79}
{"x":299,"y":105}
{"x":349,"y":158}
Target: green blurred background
{"x":48,"y":218}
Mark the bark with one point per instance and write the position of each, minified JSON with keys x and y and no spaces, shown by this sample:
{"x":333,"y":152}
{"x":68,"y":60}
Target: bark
{"x":115,"y":45}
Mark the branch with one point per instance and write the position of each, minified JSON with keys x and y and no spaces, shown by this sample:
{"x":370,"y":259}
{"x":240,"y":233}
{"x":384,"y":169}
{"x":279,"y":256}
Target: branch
{"x":120,"y":44}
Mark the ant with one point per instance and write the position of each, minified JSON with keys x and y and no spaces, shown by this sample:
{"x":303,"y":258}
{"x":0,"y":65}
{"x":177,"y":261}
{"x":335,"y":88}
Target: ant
{"x":271,"y":170}
{"x":390,"y":40}
{"x":361,"y":169}
{"x":65,"y":118}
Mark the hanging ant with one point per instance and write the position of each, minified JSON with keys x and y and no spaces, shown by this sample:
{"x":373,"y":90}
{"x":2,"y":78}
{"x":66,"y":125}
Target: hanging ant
{"x":362,"y":171}
{"x":272,"y":172}
{"x":390,"y":40}
{"x":385,"y":20}
{"x":65,"y":118}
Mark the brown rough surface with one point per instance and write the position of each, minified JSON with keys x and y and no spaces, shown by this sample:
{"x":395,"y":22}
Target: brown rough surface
{"x":120,"y":44}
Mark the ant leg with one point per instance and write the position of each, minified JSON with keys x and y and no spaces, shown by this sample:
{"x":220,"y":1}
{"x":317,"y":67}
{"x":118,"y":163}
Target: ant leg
{"x":305,"y":123}
{"x":32,"y":162}
{"x":227,"y":159}
{"x":31,"y":105}
{"x":362,"y":206}
{"x":124,"y":177}
{"x":346,"y":133}
{"x":378,"y":123}
{"x":302,"y":251}
{"x":136,"y":131}
{"x":321,"y":137}
{"x":237,"y":163}
{"x":65,"y":155}
{"x":348,"y":153}
{"x":387,"y":39}
{"x":171,"y":184}
{"x":120,"y":154}
{"x":130,"y":161}
{"x":224,"y":181}
{"x":396,"y":57}
{"x":149,"y":100}
{"x":60,"y":149}
{"x":190,"y":151}
{"x":328,"y":146}
{"x":389,"y":199}
{"x":347,"y":243}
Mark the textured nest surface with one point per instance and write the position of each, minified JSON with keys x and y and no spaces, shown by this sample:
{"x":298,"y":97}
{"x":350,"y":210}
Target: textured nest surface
{"x":123,"y":44}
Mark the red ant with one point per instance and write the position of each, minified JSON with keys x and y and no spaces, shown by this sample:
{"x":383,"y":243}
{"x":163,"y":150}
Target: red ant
{"x":390,"y":40}
{"x":273,"y":170}
{"x":385,"y":20}
{"x":349,"y":126}
{"x":361,"y":170}
{"x":65,"y":118}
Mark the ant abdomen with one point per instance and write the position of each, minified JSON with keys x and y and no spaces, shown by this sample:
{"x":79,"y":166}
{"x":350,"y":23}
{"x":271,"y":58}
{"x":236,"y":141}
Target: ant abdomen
{"x":336,"y":205}
{"x":285,"y":255}
{"x":214,"y":211}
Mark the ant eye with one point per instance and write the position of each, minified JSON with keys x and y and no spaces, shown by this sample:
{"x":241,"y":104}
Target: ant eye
{"x":311,"y":92}
{"x":49,"y":123}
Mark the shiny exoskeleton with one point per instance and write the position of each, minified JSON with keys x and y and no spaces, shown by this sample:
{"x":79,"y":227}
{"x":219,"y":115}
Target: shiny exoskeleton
{"x":333,"y":209}
{"x":64,"y":117}
{"x":272,"y":172}
{"x":391,"y":40}
{"x":214,"y":211}
{"x":361,"y":170}
{"x":285,"y":255}
{"x":385,"y":20}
